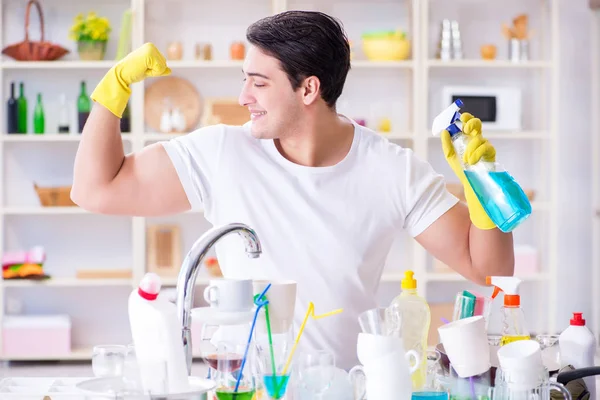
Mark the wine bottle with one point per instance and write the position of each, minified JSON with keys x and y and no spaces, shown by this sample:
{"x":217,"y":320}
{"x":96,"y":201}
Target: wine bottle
{"x":22,"y":110}
{"x":12,"y":113}
{"x":83,"y":107}
{"x":63,"y":118}
{"x":38,"y":116}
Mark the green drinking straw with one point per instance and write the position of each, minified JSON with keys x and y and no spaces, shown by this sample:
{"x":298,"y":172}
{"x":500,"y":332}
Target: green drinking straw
{"x":270,"y":341}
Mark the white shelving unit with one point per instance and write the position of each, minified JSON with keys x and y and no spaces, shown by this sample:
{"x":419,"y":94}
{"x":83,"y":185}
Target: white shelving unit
{"x":74,"y":237}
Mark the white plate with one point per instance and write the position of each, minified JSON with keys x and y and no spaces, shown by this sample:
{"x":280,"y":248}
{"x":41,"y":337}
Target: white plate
{"x":116,"y":386}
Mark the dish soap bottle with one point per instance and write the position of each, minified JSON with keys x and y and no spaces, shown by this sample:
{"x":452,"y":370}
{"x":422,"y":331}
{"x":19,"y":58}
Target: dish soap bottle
{"x":577,"y":346}
{"x":416,"y":318}
{"x":156,"y":333}
{"x":500,"y":195}
{"x":513,"y":319}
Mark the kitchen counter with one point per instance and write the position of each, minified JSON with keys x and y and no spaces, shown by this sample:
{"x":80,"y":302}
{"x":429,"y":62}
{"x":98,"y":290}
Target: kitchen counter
{"x":65,"y":369}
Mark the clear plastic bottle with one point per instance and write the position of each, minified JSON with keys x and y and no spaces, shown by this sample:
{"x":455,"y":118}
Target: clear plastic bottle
{"x":500,"y":195}
{"x":415,"y":318}
{"x":513,"y":320}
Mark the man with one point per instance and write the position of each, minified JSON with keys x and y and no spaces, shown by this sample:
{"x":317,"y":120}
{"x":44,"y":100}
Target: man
{"x":325,"y":195}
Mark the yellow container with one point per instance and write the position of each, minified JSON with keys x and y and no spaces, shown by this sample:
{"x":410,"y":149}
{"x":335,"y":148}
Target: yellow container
{"x":386,"y":46}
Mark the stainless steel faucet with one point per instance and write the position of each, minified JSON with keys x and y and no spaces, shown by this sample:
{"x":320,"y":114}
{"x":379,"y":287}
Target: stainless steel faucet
{"x":189,"y":271}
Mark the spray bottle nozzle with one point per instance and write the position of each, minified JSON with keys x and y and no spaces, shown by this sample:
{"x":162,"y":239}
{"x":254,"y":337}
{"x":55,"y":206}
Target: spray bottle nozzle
{"x":507,"y":284}
{"x":448,"y":119}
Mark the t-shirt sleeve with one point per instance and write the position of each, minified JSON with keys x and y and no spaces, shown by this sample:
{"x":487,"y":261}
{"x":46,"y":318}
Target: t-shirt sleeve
{"x":195,"y":157}
{"x":427,"y":197}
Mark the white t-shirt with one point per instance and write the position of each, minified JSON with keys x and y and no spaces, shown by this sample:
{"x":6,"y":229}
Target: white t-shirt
{"x":328,"y":228}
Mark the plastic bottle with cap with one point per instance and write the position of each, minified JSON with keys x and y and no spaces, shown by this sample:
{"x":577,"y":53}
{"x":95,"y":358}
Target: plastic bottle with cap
{"x":156,"y":334}
{"x":503,"y":200}
{"x":415,"y":318}
{"x":577,"y":347}
{"x":513,"y":320}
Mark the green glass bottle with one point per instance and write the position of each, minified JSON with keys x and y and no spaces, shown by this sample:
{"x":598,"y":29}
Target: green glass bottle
{"x":38,"y":116}
{"x":83,"y":107}
{"x":22,"y":110}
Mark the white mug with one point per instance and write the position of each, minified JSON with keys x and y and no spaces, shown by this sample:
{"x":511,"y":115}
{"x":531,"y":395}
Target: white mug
{"x":230,"y":294}
{"x":386,"y":377}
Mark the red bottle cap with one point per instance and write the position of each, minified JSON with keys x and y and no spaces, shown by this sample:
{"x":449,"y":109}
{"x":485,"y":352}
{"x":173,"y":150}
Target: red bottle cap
{"x":577,"y":319}
{"x":149,"y":286}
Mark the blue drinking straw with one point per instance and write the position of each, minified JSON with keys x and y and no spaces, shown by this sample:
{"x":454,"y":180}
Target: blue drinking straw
{"x":259,"y":302}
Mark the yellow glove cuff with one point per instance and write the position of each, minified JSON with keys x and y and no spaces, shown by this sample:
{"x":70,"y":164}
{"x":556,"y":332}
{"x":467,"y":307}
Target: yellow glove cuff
{"x":112,"y":93}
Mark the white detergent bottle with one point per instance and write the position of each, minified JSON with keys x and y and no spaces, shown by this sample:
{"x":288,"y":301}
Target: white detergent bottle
{"x":415,"y":320}
{"x":156,"y":333}
{"x":577,"y":346}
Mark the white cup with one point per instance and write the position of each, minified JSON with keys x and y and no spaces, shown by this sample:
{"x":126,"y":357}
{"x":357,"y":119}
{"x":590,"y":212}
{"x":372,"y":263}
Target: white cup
{"x":230,"y":294}
{"x":370,"y":347}
{"x":466,"y":344}
{"x":387,"y":377}
{"x":282,"y":303}
{"x":521,"y":355}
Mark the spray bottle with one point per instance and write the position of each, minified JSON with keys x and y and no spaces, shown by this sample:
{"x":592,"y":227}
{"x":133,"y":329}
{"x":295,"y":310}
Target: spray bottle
{"x":513,"y":319}
{"x":502,"y":198}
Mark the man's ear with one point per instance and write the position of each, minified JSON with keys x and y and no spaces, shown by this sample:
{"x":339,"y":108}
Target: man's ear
{"x":310,"y":90}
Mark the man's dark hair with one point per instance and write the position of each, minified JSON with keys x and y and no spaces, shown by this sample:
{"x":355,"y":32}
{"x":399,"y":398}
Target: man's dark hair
{"x":306,"y":43}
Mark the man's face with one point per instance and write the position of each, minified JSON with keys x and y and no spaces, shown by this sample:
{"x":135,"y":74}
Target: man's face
{"x":275,"y":108}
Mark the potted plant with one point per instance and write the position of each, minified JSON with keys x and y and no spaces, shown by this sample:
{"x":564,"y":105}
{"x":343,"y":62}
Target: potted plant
{"x":91,"y":34}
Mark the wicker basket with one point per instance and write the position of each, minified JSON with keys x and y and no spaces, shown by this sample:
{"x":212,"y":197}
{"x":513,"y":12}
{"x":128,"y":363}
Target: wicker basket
{"x":55,"y":196}
{"x":28,"y":50}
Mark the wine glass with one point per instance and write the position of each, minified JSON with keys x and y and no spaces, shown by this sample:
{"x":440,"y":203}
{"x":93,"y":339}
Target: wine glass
{"x":108,"y":360}
{"x":315,"y":371}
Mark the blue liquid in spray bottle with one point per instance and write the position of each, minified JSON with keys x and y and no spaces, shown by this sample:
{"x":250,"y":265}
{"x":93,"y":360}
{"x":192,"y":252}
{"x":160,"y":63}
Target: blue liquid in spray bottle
{"x":500,"y":195}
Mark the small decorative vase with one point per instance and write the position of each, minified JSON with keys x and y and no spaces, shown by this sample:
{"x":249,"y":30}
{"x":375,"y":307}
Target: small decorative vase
{"x":91,"y":50}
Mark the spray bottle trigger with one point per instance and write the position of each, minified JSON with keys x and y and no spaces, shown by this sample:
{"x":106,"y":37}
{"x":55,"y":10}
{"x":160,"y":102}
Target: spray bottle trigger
{"x":497,"y":290}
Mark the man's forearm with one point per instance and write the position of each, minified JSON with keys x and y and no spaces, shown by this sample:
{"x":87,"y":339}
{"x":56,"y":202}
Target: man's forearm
{"x":99,"y":156}
{"x":492,"y":253}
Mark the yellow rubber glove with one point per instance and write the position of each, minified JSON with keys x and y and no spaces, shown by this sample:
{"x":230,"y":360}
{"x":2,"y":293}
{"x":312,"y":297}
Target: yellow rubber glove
{"x":477,"y":149}
{"x":113,"y":91}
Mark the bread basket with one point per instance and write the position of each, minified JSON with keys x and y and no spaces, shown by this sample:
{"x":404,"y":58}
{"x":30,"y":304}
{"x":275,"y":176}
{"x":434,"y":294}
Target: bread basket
{"x":28,"y":50}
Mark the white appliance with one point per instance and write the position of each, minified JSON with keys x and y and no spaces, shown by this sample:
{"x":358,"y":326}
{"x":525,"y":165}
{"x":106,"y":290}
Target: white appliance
{"x":499,"y":108}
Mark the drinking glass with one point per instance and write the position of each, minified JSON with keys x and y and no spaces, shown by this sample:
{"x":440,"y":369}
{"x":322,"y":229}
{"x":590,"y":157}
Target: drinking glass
{"x":272,"y":356}
{"x":434,"y":369}
{"x":550,"y":351}
{"x":131,"y":370}
{"x":229,"y":362}
{"x":315,"y":371}
{"x":108,"y":360}
{"x":380,"y":321}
